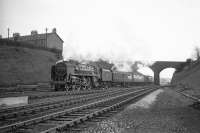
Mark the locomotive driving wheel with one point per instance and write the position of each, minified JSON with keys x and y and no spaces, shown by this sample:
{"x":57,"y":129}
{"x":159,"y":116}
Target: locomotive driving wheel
{"x":86,"y":83}
{"x":94,"y":82}
{"x":89,"y":83}
{"x":83,"y":84}
{"x":67,"y":88}
{"x":78,"y":87}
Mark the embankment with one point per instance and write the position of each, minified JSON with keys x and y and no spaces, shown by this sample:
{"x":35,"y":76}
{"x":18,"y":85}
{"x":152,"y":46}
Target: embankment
{"x":21,"y":65}
{"x":189,"y":76}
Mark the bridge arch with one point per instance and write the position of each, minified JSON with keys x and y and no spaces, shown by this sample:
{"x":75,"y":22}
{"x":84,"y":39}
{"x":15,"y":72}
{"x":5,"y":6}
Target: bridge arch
{"x":166,"y":75}
{"x":158,"y":66}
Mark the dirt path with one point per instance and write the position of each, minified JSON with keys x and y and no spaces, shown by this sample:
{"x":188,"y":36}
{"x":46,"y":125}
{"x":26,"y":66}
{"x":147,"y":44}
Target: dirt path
{"x":170,"y":113}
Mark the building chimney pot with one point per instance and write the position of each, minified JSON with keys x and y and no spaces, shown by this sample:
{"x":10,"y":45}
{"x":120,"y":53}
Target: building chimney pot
{"x":16,"y":34}
{"x":34,"y":32}
{"x":54,"y":30}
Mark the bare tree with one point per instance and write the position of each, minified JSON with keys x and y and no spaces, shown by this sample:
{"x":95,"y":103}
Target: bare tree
{"x":135,"y":66}
{"x":197,"y":53}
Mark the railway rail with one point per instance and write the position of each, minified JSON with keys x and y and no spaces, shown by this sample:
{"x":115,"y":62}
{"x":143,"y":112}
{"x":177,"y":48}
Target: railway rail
{"x":20,"y":113}
{"x":68,"y":117}
{"x":181,"y":91}
{"x":196,"y":100}
{"x":39,"y":95}
{"x":189,"y":96}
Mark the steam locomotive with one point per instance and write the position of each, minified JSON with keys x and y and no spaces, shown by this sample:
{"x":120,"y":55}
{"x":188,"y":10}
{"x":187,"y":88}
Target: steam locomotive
{"x":67,"y":75}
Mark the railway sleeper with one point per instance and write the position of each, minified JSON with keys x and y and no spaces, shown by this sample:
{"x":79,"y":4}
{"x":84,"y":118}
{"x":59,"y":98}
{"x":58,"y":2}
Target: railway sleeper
{"x":71,"y":117}
{"x":54,"y":122}
{"x":76,"y":114}
{"x":61,"y":119}
{"x":101,"y":117}
{"x":95,"y":120}
{"x":50,"y":124}
{"x":76,"y":129}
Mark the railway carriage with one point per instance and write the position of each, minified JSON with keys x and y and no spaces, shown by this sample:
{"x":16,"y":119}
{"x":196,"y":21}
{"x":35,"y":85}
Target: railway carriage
{"x":123,"y":78}
{"x":105,"y":78}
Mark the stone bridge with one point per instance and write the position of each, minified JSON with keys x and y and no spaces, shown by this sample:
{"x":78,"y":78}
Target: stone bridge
{"x":158,"y":66}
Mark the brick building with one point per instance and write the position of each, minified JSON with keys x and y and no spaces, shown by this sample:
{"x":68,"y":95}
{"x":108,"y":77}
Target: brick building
{"x":44,"y":40}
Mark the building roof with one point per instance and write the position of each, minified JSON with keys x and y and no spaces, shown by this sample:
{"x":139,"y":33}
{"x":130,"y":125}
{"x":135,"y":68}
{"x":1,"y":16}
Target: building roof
{"x":39,"y":36}
{"x":57,"y":36}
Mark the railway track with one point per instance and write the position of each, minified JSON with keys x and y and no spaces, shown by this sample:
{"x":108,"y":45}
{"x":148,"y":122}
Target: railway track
{"x":65,"y":98}
{"x":39,"y":95}
{"x":68,"y":117}
{"x":196,"y":100}
{"x":22,"y":113}
{"x":68,"y":93}
{"x":181,"y":91}
{"x":189,"y":96}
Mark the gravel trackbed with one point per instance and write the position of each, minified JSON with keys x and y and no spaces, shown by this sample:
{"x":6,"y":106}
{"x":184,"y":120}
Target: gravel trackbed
{"x":169,"y":113}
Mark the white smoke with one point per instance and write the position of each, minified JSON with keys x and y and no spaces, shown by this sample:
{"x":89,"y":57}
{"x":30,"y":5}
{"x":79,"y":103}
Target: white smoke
{"x":124,"y":58}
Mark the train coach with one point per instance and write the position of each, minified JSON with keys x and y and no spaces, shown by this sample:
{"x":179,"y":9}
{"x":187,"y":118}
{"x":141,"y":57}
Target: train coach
{"x":66,"y":75}
{"x":122,"y":78}
{"x":106,"y":78}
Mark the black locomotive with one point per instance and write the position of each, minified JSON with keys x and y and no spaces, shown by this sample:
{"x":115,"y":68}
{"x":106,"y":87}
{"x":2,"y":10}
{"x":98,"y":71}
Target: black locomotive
{"x":67,"y":75}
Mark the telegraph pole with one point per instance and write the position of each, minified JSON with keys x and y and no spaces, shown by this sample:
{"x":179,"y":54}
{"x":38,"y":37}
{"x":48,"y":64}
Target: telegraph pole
{"x":46,"y":37}
{"x":8,"y":32}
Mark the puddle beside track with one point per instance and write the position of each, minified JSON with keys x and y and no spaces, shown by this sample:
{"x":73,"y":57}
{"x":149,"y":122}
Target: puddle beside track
{"x":13,"y":101}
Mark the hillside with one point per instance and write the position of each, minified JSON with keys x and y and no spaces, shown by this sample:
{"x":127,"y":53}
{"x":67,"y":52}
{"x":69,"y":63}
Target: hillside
{"x":20,"y":65}
{"x":189,"y":76}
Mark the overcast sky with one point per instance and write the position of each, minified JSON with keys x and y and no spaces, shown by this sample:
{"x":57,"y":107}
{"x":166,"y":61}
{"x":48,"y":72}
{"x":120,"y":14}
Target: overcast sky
{"x":118,"y":30}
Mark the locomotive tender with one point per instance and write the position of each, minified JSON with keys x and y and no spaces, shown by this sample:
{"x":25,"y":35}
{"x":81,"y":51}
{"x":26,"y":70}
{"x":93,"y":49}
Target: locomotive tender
{"x":67,"y":75}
